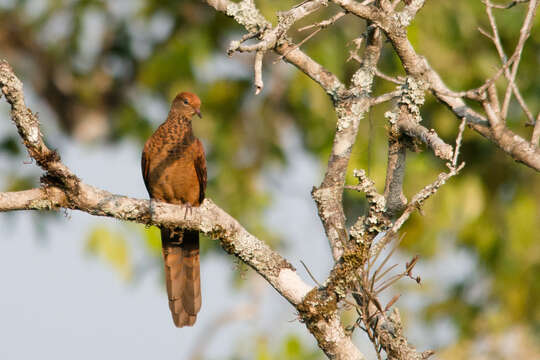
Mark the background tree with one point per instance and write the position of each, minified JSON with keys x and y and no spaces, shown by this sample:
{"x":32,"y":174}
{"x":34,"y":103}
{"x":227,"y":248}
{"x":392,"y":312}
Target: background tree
{"x":106,"y":73}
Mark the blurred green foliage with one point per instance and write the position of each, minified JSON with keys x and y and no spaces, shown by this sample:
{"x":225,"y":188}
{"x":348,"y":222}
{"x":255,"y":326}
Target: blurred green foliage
{"x":162,"y":47}
{"x":112,"y":247}
{"x":290,"y":347}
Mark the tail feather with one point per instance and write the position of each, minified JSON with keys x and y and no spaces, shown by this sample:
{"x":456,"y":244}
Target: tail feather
{"x":182,"y":274}
{"x":191,"y":294}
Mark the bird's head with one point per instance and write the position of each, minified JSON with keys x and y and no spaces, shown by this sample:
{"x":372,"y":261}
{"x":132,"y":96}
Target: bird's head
{"x":187,"y":103}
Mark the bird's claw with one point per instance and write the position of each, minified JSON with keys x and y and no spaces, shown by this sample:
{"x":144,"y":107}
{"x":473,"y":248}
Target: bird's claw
{"x":189,"y":209}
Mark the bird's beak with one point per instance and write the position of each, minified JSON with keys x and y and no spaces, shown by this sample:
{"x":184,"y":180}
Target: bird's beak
{"x":198,"y":112}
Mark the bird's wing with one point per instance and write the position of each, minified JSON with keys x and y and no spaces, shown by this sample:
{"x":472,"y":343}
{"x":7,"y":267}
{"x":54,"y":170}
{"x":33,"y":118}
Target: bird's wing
{"x":145,"y":166}
{"x":200,"y":168}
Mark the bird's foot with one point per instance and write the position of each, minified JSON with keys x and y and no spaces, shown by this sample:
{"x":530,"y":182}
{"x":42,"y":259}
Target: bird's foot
{"x":189,"y":209}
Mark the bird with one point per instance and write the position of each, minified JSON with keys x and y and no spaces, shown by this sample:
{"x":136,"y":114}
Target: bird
{"x":174,"y":171}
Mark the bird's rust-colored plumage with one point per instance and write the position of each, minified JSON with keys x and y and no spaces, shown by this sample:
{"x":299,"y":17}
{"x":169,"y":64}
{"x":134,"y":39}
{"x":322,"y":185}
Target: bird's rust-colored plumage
{"x":174,"y":171}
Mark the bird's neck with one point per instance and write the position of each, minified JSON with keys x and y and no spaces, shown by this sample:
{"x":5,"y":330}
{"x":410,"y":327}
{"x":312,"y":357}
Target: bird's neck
{"x":180,"y":122}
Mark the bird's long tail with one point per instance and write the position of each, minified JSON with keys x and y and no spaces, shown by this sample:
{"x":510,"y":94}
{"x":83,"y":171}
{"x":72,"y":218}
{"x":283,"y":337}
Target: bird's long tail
{"x":182,"y":274}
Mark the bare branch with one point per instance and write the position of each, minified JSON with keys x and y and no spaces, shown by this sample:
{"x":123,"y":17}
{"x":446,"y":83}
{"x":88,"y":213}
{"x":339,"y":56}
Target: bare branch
{"x":247,"y":14}
{"x":394,"y":80}
{"x":327,"y":80}
{"x":412,"y":8}
{"x":366,"y":185}
{"x":535,"y":138}
{"x":385,"y":97}
{"x":509,"y":5}
{"x":34,"y":199}
{"x":417,"y":66}
{"x":422,"y":196}
{"x":208,"y":218}
{"x":258,"y":72}
{"x":478,"y":94}
{"x":329,"y":194}
{"x":525,"y":33}
{"x":406,"y":116}
{"x":320,"y":26}
{"x":494,"y":119}
{"x":325,"y":23}
{"x":395,"y":173}
{"x":429,"y":137}
{"x":459,"y":140}
{"x":363,"y":10}
{"x":356,"y":250}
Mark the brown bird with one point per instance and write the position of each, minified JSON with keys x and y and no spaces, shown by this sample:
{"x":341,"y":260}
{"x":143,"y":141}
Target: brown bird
{"x":174,"y":171}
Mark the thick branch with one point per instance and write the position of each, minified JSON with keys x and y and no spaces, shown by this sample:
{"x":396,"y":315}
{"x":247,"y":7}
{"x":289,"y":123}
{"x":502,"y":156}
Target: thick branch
{"x":34,"y":199}
{"x":326,"y":79}
{"x":207,"y":218}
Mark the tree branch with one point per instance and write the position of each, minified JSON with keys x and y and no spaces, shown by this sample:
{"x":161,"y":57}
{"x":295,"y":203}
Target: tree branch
{"x":525,"y":32}
{"x":329,"y":194}
{"x":246,"y":13}
{"x":536,"y":132}
{"x":395,"y":173}
{"x":394,"y":25}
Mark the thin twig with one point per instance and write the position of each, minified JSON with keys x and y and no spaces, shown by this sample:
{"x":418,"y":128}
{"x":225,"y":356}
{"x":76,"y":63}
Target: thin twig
{"x":258,"y":72}
{"x":385,"y":97}
{"x":509,"y":5}
{"x":310,"y":274}
{"x":320,"y":25}
{"x":296,"y":46}
{"x":383,"y":274}
{"x":397,"y":277}
{"x":392,"y":302}
{"x":394,"y":80}
{"x":511,"y":74}
{"x":536,"y":132}
{"x":459,"y":139}
{"x":414,"y":204}
{"x":376,"y":255}
{"x":325,"y":23}
{"x":478,"y":93}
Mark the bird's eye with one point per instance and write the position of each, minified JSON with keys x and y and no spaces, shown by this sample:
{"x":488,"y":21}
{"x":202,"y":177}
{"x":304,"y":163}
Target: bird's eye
{"x":185,"y":101}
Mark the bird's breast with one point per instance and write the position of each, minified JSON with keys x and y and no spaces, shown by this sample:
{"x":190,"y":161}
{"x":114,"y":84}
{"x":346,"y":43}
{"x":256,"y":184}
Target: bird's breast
{"x":173,"y":177}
